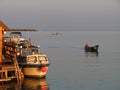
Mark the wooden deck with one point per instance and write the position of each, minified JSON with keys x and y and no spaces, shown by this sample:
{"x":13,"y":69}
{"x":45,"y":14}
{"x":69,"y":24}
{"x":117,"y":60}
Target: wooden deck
{"x":7,"y":73}
{"x":10,"y":72}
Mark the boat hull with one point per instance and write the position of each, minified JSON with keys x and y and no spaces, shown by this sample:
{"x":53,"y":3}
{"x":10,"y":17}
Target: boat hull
{"x":35,"y":71}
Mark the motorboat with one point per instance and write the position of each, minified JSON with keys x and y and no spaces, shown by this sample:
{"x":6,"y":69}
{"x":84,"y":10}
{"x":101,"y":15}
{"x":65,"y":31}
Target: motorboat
{"x":34,"y":65}
{"x":32,"y":62}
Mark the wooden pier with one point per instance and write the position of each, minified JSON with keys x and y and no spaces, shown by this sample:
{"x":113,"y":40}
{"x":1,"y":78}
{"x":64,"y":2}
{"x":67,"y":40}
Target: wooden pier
{"x":9,"y":68}
{"x":8,"y":73}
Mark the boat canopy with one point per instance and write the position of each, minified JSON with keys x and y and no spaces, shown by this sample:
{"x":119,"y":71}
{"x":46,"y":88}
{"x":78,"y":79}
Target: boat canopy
{"x":16,"y":33}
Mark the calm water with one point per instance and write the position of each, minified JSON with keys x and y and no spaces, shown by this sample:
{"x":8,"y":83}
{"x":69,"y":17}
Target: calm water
{"x":71,"y":68}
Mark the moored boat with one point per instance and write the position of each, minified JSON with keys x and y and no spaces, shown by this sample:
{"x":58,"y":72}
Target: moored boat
{"x":34,"y":65}
{"x":32,"y":62}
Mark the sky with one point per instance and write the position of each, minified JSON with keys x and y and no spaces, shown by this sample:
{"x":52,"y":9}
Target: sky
{"x":61,"y":14}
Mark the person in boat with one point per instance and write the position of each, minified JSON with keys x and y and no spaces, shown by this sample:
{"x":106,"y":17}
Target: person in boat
{"x":87,"y":45}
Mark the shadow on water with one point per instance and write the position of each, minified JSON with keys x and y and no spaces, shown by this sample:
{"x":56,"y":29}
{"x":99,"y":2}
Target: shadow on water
{"x":12,"y":85}
{"x":35,"y":84}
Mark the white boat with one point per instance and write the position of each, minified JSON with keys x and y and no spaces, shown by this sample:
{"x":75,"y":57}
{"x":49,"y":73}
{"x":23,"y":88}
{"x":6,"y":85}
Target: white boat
{"x":34,"y":65}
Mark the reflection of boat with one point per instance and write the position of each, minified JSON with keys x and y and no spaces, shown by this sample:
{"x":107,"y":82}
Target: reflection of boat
{"x":91,"y":54}
{"x":32,"y":62}
{"x":35,"y":84}
{"x":91,"y":49}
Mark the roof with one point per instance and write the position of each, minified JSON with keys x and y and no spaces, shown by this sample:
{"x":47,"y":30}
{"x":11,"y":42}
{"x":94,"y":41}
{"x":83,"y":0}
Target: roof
{"x":3,"y":26}
{"x":16,"y":33}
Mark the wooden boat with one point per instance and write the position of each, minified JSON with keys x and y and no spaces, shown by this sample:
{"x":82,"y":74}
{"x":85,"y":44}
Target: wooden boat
{"x":91,"y":49}
{"x":32,"y":62}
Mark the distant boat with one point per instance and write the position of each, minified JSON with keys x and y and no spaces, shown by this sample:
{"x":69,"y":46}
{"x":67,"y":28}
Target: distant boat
{"x":57,"y":33}
{"x":91,"y":48}
{"x":32,"y":62}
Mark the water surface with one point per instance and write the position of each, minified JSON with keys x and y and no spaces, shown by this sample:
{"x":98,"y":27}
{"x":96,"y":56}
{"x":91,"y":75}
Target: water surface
{"x":72,"y":69}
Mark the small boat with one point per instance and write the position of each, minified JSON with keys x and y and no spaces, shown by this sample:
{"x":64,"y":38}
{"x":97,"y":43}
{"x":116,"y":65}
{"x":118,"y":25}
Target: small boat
{"x":57,"y":33}
{"x":91,"y":49}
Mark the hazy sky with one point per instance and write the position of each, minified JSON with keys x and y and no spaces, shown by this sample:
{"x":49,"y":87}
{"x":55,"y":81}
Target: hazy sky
{"x":61,"y":14}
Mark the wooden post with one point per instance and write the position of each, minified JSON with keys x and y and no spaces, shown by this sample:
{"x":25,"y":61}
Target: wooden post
{"x":1,"y":36}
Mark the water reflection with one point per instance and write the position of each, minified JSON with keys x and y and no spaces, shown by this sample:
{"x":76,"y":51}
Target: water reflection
{"x":10,"y":85}
{"x":35,"y":84}
{"x":91,"y":54}
{"x":27,"y":84}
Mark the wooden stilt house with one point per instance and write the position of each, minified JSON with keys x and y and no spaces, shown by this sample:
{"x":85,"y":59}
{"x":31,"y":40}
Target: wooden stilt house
{"x":9,"y":68}
{"x":3,"y":29}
